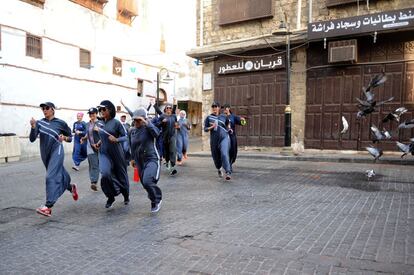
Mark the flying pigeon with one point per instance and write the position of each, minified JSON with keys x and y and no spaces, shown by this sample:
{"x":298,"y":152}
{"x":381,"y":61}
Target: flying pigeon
{"x":406,"y":148}
{"x":379,"y":135}
{"x":370,"y":174}
{"x":368,"y":105}
{"x":345,"y":124}
{"x":375,"y":152}
{"x":408,"y":124}
{"x":395,"y":115}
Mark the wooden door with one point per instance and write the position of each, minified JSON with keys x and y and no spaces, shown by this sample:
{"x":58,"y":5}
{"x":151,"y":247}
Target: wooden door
{"x":261,"y":98}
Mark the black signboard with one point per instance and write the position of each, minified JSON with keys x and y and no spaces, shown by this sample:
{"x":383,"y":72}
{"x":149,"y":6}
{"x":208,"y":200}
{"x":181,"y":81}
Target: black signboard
{"x":389,"y":20}
{"x":251,"y":65}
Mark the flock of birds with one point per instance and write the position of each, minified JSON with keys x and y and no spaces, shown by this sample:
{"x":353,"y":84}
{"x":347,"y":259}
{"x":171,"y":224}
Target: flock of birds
{"x":369,"y":105}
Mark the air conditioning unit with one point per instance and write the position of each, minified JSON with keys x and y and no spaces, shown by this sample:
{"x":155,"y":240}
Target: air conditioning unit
{"x":343,"y":51}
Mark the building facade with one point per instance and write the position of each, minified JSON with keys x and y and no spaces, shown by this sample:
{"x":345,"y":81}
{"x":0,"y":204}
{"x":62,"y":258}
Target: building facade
{"x":240,"y":43}
{"x":77,"y":53}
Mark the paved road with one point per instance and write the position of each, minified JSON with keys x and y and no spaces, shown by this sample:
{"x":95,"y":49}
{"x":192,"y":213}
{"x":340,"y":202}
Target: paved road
{"x":274,"y":217}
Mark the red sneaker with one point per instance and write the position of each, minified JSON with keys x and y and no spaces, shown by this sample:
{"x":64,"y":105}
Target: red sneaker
{"x":45,"y":211}
{"x":74,"y":191}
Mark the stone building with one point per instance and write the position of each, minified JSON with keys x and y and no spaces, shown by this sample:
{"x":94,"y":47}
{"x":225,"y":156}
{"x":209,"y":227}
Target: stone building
{"x":240,"y":43}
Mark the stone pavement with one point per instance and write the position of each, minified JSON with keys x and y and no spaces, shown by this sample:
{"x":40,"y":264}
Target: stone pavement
{"x":274,"y":217}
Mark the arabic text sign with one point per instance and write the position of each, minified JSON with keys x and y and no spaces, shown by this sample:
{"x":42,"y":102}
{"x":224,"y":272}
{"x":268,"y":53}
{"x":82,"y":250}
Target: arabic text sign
{"x":397,"y":19}
{"x":252,"y":65}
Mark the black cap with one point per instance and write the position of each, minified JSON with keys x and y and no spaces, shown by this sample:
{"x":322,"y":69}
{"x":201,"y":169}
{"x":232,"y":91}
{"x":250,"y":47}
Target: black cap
{"x":215,"y":103}
{"x":92,"y":110}
{"x":50,"y":104}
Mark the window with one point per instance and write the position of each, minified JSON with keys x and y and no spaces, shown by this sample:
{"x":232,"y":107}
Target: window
{"x":85,"y":58}
{"x":37,"y":3}
{"x":127,"y":10}
{"x":140,"y":87}
{"x":232,"y":11}
{"x":117,"y":66}
{"x":95,"y":5}
{"x":33,"y":46}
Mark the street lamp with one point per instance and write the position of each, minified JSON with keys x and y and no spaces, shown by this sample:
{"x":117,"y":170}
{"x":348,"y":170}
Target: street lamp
{"x":284,"y":30}
{"x":167,"y":78}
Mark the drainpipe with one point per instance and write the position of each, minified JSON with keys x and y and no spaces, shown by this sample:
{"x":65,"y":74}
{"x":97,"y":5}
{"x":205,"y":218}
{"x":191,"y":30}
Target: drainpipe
{"x":310,"y":12}
{"x":201,"y":23}
{"x":299,"y":15}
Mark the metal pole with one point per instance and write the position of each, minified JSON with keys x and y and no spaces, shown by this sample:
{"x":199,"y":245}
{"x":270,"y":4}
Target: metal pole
{"x":158,"y":89}
{"x":288,"y":111}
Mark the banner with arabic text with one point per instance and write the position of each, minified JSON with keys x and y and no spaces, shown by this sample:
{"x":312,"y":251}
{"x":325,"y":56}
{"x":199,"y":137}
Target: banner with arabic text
{"x":251,"y":65}
{"x":389,"y":20}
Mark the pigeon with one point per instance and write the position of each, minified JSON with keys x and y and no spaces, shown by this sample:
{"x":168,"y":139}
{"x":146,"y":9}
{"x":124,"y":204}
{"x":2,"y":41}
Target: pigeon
{"x":370,"y":174}
{"x":408,"y":124}
{"x":376,"y":81}
{"x":406,"y":148}
{"x":375,"y":152}
{"x":345,"y":124}
{"x":368,"y":105}
{"x":395,"y":115}
{"x":379,"y":135}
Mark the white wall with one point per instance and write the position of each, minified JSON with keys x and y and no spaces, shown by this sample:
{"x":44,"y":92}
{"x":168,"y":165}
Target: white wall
{"x":57,"y":77}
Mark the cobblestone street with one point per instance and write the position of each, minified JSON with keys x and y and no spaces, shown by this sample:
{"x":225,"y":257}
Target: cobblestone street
{"x":274,"y":217}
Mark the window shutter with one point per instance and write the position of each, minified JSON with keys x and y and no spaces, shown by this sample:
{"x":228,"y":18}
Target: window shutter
{"x":232,"y":11}
{"x":33,"y":46}
{"x":85,"y":58}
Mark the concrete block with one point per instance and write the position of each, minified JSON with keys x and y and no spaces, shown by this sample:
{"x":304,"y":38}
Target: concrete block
{"x":3,"y":150}
{"x":12,"y":146}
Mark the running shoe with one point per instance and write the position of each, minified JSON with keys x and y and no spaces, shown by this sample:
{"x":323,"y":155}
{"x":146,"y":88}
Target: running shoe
{"x":220,"y":173}
{"x":228,"y":176}
{"x":109,"y":202}
{"x":74,"y":191}
{"x":173,"y":171}
{"x":94,"y":187}
{"x":44,"y":210}
{"x":155,"y":207}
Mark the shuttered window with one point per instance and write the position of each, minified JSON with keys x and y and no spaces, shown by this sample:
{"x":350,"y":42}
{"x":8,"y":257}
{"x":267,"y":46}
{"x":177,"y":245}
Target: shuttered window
{"x":84,"y":58}
{"x":140,"y":88}
{"x":117,"y":66}
{"x":334,"y":3}
{"x":33,"y":46}
{"x":127,"y":10}
{"x":37,"y":3}
{"x":232,"y":11}
{"x":95,"y":5}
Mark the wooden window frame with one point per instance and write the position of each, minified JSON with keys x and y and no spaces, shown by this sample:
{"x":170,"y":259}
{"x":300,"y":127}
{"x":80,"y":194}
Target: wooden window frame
{"x":94,"y":5}
{"x":336,"y":3}
{"x":125,"y":16}
{"x":86,"y":65}
{"x":36,"y":3}
{"x":236,"y":11}
{"x":32,"y":49}
{"x":114,"y":70}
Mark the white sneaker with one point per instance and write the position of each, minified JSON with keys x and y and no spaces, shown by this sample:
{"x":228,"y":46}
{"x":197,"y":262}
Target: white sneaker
{"x":155,"y":208}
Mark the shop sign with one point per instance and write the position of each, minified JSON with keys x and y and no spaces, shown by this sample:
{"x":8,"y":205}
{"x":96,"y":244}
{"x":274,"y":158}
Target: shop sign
{"x":389,"y":20}
{"x":252,"y":65}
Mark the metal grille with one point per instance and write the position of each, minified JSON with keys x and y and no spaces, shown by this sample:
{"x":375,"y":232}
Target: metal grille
{"x":85,"y":58}
{"x":33,"y":46}
{"x":117,"y":66}
{"x":231,"y":11}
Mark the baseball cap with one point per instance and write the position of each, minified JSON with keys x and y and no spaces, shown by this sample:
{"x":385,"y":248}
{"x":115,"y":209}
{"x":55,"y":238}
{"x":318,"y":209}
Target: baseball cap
{"x":49,"y":104}
{"x":92,"y":110}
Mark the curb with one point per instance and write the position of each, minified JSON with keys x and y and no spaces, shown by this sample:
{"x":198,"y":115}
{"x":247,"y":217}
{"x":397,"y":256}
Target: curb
{"x":339,"y":159}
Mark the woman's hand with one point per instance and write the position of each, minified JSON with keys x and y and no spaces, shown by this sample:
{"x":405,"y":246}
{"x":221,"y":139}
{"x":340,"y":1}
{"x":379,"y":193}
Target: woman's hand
{"x":112,"y":139}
